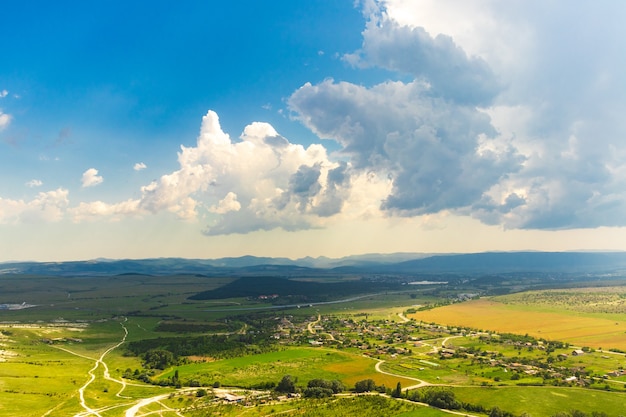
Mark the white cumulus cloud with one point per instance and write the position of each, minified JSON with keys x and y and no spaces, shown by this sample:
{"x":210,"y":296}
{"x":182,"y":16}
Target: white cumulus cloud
{"x":228,"y":203}
{"x":5,"y":119}
{"x":261,"y":181}
{"x":47,"y":206}
{"x":139,"y":166}
{"x":91,"y":178}
{"x":99,"y":209}
{"x":34,"y":183}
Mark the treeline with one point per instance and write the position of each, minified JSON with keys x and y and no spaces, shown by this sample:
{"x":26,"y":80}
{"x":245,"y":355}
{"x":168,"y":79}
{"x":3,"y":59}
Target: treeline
{"x":316,"y":388}
{"x":194,"y":327}
{"x":216,"y":346}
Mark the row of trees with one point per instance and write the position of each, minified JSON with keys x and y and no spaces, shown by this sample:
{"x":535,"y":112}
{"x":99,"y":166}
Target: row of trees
{"x":320,"y":388}
{"x":316,"y":388}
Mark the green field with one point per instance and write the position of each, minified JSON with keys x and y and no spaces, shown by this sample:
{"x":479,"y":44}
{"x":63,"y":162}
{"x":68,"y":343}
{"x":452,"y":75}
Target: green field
{"x":544,"y":401}
{"x":302,"y":363}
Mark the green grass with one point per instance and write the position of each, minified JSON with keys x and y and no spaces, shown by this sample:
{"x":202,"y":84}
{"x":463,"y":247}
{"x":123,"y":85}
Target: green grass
{"x":543,"y":401}
{"x":365,"y":405}
{"x":302,"y":363}
{"x":247,"y":371}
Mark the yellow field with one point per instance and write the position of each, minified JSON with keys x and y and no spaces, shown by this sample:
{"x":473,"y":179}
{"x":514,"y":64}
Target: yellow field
{"x":567,"y":326}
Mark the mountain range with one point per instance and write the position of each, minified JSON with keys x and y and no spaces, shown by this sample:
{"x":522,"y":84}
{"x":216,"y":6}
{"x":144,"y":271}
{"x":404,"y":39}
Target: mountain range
{"x":396,"y":263}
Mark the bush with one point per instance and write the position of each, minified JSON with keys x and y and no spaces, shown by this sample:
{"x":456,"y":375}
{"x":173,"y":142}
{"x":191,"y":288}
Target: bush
{"x":365,"y":385}
{"x":317,"y":392}
{"x":286,"y":385}
{"x":335,"y":386}
{"x":440,"y":398}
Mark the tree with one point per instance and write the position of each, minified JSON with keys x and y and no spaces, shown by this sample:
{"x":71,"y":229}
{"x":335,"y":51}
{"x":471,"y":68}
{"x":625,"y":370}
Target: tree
{"x":440,"y":398}
{"x":335,"y":386}
{"x":158,"y":358}
{"x":365,"y":385}
{"x":496,"y":412}
{"x":317,"y":392}
{"x":286,"y":385}
{"x":397,"y":393}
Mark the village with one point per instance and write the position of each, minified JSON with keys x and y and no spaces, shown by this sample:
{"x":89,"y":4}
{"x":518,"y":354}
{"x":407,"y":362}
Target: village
{"x":429,"y":350}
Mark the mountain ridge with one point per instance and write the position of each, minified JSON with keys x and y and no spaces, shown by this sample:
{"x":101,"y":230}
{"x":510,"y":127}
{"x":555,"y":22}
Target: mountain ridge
{"x":399,"y":263}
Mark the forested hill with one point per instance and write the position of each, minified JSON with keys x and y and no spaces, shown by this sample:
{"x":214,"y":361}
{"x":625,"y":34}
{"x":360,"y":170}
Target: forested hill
{"x":273,"y":288}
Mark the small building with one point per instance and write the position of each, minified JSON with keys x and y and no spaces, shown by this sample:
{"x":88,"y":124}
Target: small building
{"x":578,"y":352}
{"x":231,"y":398}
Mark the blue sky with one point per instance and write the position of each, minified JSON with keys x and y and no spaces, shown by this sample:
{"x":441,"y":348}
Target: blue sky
{"x":321,"y":127}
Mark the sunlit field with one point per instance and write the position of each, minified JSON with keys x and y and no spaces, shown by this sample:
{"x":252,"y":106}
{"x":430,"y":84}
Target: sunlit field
{"x":556,"y":321}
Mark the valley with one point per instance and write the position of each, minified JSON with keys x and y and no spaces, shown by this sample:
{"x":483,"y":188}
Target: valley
{"x":138,"y":345}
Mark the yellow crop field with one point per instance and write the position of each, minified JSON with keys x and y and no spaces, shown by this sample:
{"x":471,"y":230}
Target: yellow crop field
{"x":487,"y":314}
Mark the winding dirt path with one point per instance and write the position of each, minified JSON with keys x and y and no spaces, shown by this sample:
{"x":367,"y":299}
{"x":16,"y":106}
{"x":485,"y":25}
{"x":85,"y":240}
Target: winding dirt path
{"x":313,"y":323}
{"x":420,"y":383}
{"x":92,"y":376}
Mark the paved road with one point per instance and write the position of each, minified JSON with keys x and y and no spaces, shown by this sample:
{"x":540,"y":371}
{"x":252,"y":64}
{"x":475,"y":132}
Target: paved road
{"x":279,"y":307}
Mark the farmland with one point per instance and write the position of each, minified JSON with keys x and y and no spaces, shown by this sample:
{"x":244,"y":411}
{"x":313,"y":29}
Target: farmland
{"x":589,"y":316}
{"x":134,"y":344}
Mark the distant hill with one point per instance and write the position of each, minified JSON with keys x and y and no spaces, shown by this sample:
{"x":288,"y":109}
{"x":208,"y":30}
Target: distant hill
{"x":297,"y":291}
{"x":516,"y":262}
{"x":400,"y":263}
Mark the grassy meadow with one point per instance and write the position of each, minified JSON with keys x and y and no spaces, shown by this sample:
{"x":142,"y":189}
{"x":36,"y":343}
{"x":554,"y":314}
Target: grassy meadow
{"x":544,"y":401}
{"x":303,"y":363}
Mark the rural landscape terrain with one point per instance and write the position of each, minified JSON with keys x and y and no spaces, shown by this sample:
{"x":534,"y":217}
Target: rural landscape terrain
{"x":488,"y":334}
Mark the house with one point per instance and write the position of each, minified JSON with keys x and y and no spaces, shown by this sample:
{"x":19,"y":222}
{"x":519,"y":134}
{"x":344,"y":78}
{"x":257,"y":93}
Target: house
{"x":578,"y":352}
{"x":233,"y":398}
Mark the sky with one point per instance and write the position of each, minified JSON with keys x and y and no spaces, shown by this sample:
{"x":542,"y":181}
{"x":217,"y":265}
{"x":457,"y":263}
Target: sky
{"x":310,"y":128}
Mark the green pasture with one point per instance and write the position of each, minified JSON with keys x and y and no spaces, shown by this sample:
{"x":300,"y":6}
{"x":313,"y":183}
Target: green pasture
{"x":543,"y":401}
{"x":39,"y":378}
{"x":302,"y":363}
{"x":43,"y":377}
